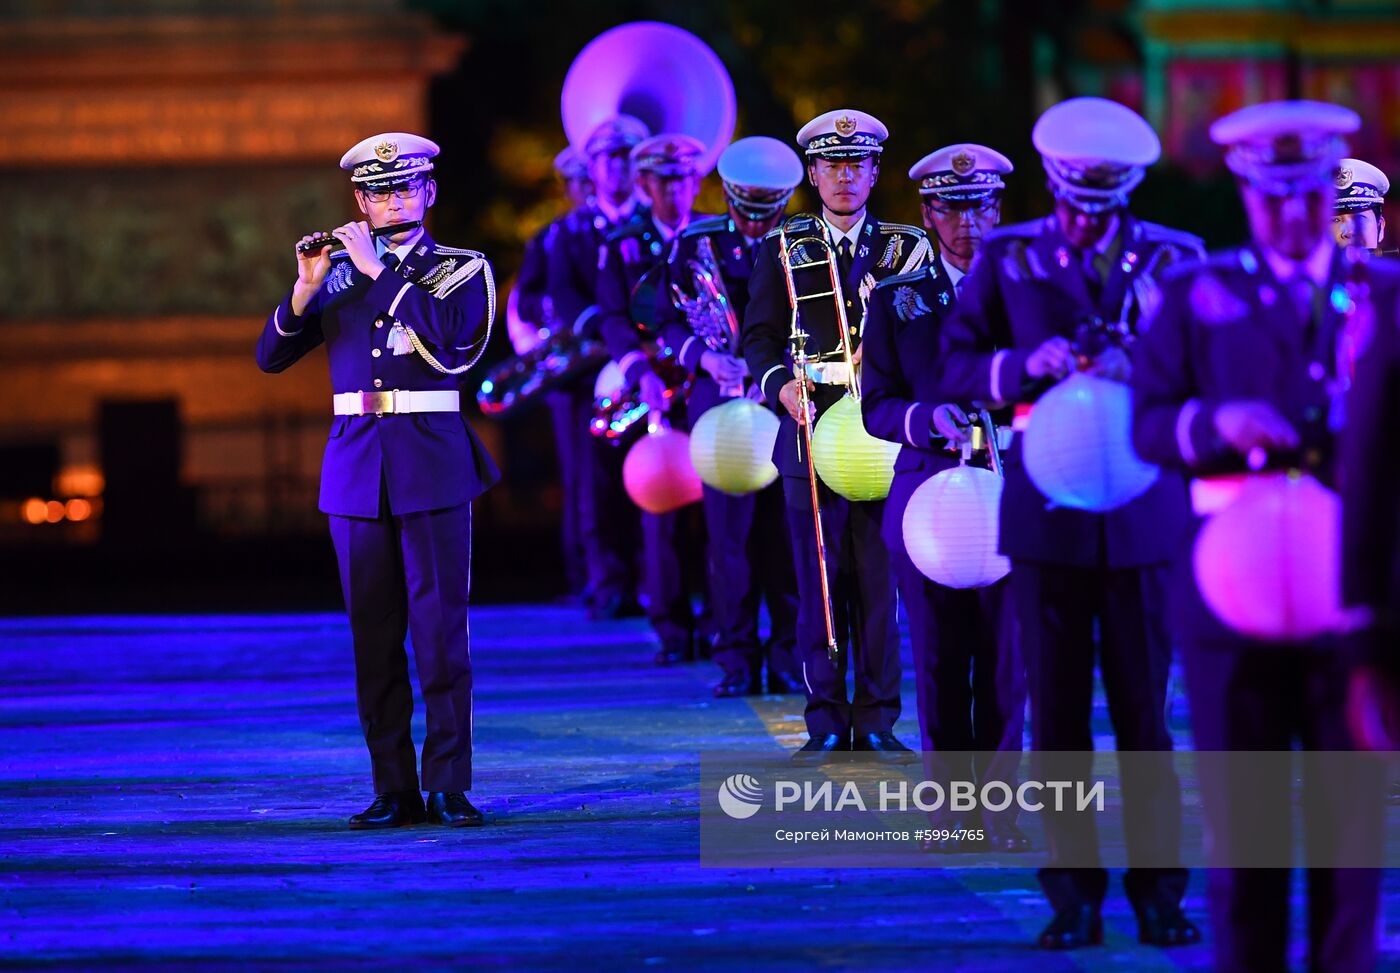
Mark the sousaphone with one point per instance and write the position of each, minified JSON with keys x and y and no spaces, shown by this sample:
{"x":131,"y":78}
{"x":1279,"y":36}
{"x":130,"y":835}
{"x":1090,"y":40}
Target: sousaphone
{"x":671,"y":80}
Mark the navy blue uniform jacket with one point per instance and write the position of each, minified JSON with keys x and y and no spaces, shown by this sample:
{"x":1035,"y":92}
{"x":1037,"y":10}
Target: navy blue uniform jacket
{"x":1025,"y":287}
{"x":429,"y":460}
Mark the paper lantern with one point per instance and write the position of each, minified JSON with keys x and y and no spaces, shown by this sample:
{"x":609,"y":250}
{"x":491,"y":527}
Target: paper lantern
{"x":731,"y":446}
{"x":1268,"y":564}
{"x":658,"y":474}
{"x":849,"y":460}
{"x":951,"y":526}
{"x":1078,"y":446}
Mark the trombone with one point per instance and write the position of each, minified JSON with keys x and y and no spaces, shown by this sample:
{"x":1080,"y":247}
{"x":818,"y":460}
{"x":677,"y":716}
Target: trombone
{"x":801,"y":360}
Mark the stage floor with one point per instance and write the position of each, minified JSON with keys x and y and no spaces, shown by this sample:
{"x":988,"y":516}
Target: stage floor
{"x":173,"y":795}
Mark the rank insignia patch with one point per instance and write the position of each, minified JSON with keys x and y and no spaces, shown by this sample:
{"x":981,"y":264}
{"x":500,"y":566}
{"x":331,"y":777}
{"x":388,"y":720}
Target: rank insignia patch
{"x":439,"y":273}
{"x":341,"y":277}
{"x":909,"y":305}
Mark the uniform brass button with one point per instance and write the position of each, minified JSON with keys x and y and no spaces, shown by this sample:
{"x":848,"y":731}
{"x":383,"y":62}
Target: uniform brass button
{"x":379,"y":322}
{"x":379,"y":383}
{"x":375,"y":353}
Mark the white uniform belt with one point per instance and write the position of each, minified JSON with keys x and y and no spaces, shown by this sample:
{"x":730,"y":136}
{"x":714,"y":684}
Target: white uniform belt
{"x":396,"y":401}
{"x":829,"y":372}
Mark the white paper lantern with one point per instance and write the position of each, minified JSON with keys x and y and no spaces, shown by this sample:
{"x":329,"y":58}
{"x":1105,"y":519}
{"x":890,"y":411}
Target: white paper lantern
{"x":1078,"y":447}
{"x":1268,"y":565}
{"x":852,"y":462}
{"x":731,"y":446}
{"x":951,"y":528}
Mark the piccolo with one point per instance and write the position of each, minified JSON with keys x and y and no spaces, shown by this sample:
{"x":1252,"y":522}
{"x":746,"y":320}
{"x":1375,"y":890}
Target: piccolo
{"x":326,"y":240}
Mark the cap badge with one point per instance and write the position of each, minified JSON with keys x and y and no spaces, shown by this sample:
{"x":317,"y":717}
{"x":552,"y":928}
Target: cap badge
{"x":963,"y":163}
{"x":386,"y":151}
{"x":1344,"y":178}
{"x":845,"y":126}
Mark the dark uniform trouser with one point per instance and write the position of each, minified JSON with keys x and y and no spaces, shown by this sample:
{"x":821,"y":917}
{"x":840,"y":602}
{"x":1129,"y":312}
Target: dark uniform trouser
{"x":1056,"y":608}
{"x":750,"y":557}
{"x":571,"y":408}
{"x":401,"y":574}
{"x":862,"y":591}
{"x":1264,"y":699}
{"x":663,"y":580}
{"x":610,"y":522}
{"x":969,"y":677}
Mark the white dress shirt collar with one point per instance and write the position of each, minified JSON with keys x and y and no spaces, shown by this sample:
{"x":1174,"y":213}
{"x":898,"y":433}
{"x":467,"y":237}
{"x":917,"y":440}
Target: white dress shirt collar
{"x":952,"y":273}
{"x":381,"y":245}
{"x":616,"y":214}
{"x":853,"y":234}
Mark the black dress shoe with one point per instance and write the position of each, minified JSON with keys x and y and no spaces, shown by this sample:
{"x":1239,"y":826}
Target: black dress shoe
{"x":819,"y":750}
{"x":393,"y":810}
{"x":612,"y":607}
{"x":676,"y":653}
{"x":785,"y":683}
{"x":886,"y":745}
{"x":453,"y":809}
{"x":736,"y":684}
{"x":1006,"y":836}
{"x":1166,"y":926}
{"x":1073,"y":926}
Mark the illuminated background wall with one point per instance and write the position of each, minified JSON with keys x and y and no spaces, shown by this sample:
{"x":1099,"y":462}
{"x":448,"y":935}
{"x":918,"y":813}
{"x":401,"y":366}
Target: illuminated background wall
{"x":162,"y":155}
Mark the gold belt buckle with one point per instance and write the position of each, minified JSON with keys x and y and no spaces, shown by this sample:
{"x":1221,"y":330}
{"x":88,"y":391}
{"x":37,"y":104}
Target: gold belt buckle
{"x":377,"y":402}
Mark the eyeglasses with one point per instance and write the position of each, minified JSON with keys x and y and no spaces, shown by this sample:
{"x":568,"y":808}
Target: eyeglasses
{"x":976,"y":207}
{"x":403,"y":192}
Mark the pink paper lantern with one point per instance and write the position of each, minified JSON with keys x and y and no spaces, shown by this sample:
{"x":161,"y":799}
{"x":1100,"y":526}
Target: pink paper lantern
{"x":1268,"y":564}
{"x":951,"y":528}
{"x":1078,"y":446}
{"x":658,"y":474}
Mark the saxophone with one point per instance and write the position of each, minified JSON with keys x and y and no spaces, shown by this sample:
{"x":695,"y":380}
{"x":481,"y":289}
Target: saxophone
{"x":710,"y":312}
{"x":560,"y":356}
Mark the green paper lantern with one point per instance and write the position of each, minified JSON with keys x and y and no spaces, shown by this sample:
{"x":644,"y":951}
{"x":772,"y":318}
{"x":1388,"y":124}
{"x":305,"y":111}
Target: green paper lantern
{"x":731,"y":447}
{"x":849,"y":460}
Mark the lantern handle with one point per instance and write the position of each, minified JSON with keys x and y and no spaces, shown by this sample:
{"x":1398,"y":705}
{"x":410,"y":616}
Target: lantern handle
{"x":993,"y":448}
{"x":657,"y":422}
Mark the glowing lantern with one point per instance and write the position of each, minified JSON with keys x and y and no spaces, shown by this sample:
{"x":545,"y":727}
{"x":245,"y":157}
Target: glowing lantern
{"x":658,"y":474}
{"x":732,"y":446}
{"x":1268,"y":564}
{"x":951,"y":528}
{"x":1078,"y":446}
{"x":849,"y":460}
